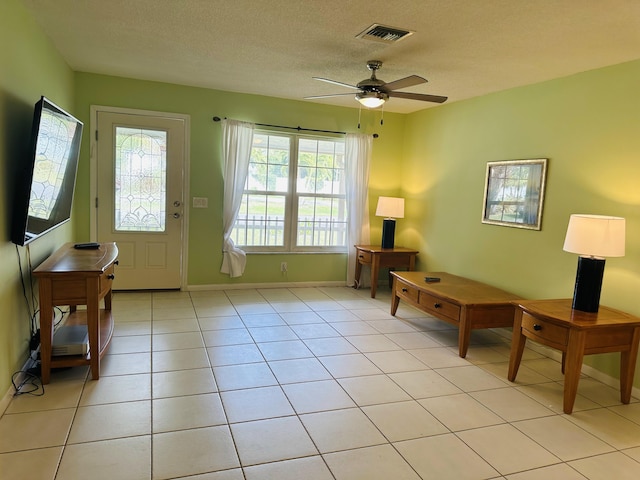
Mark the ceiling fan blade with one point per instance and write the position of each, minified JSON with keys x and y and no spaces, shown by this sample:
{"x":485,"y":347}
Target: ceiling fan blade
{"x":336,"y":82}
{"x":405,"y":82}
{"x":327,"y":96}
{"x":418,"y":96}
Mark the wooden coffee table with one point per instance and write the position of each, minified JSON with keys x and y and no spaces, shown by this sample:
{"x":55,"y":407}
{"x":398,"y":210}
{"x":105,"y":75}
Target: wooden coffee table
{"x":460,"y":301}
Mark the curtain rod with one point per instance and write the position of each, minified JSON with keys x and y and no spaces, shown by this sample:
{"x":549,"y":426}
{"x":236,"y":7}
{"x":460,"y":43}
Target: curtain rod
{"x":217,"y":119}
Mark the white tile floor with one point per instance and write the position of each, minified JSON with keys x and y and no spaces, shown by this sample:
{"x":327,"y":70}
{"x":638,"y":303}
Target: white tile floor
{"x":313,"y":384}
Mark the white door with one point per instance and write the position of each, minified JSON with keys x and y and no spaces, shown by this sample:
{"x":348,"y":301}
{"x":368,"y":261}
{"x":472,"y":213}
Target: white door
{"x":140,"y":196}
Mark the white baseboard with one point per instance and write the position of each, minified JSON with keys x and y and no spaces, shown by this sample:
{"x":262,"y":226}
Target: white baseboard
{"x":6,"y":399}
{"x":237,"y":286}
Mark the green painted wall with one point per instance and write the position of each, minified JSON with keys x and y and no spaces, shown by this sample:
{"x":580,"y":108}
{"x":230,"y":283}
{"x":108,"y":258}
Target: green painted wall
{"x":205,"y":225}
{"x":30,"y":67}
{"x":587,"y":125}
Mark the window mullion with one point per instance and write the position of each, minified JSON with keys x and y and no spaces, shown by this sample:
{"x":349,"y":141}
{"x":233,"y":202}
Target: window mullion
{"x":292,"y":217}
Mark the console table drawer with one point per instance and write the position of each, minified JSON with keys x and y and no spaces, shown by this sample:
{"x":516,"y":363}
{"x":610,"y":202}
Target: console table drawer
{"x":437,"y":306}
{"x":544,"y":332}
{"x":106,"y":279}
{"x":406,"y":291}
{"x":364,"y":257}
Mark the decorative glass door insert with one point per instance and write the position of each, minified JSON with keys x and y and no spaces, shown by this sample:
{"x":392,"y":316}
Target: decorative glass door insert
{"x":140,"y":187}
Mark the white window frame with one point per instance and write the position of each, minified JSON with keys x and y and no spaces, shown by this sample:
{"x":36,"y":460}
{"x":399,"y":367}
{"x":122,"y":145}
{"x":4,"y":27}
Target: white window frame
{"x":291,"y":201}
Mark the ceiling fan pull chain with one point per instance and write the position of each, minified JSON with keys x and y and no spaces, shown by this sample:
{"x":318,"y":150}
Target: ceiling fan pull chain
{"x":359,"y":115}
{"x":382,"y":115}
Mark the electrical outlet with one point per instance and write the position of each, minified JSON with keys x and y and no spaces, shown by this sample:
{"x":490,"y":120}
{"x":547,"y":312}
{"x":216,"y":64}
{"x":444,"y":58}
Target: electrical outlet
{"x":283,"y":267}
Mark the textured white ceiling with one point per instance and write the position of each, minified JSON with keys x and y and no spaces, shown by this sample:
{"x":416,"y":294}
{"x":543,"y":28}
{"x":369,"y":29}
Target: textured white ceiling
{"x":465,"y":48}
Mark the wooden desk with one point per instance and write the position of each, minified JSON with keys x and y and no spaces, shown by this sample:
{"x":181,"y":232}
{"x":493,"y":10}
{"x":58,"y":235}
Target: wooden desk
{"x":377,"y":257}
{"x":77,"y":277}
{"x":457,"y":300}
{"x":554,"y":324}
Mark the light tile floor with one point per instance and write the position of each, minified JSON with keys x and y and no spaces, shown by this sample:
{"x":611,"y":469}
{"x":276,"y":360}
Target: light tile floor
{"x":314,"y":384}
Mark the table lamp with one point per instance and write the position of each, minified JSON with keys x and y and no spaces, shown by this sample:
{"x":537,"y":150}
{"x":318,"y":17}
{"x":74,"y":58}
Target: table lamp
{"x":592,"y":237}
{"x":390,"y":208}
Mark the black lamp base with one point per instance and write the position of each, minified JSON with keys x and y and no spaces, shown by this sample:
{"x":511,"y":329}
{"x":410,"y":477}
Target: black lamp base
{"x":388,"y":232}
{"x":586,"y":295}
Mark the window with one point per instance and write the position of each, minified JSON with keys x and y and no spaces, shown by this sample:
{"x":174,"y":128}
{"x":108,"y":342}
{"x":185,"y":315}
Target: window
{"x":294,"y":196}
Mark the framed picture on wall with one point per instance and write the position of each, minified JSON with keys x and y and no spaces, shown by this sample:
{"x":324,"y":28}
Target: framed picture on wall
{"x":514,"y":193}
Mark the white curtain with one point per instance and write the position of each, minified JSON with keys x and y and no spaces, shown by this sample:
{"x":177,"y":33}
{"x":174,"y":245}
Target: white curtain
{"x":237,"y":138}
{"x":357,"y":159}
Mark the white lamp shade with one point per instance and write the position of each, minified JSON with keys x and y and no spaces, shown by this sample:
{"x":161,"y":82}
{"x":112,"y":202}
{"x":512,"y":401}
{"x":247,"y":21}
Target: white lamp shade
{"x":595,"y":236}
{"x":390,"y":207}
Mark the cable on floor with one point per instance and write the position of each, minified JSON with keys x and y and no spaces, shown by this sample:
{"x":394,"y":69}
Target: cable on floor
{"x":30,"y":384}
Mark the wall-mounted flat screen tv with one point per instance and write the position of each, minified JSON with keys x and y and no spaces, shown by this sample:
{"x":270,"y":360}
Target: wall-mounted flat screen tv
{"x":44,"y":189}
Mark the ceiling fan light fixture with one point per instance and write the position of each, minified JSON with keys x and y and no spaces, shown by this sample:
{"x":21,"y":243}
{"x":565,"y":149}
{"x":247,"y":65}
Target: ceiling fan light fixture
{"x":372,"y":99}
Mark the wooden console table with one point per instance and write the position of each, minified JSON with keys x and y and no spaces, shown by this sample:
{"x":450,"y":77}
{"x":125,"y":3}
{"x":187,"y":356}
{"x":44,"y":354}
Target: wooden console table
{"x":457,"y":300}
{"x":555,"y":324}
{"x":77,"y":277}
{"x":377,"y":257}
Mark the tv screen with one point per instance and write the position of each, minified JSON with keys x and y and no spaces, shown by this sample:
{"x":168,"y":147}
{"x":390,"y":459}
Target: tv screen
{"x":47,"y":181}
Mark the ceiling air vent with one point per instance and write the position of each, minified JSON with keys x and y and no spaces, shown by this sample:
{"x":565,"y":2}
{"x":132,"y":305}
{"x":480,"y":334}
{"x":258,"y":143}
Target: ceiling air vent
{"x":382,"y":33}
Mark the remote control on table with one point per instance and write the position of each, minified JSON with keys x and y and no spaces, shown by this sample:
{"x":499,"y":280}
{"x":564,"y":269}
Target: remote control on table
{"x":87,"y":246}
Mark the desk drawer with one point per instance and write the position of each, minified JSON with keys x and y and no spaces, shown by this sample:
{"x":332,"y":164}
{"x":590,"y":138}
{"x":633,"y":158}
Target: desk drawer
{"x":364,"y":257}
{"x":544,"y":332}
{"x":406,"y":291}
{"x":437,"y":306}
{"x":106,"y":279}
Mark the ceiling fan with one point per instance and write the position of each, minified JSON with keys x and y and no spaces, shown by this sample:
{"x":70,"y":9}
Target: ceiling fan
{"x":373,"y":92}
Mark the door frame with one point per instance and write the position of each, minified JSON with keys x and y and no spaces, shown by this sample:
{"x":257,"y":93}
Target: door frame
{"x":93,"y":175}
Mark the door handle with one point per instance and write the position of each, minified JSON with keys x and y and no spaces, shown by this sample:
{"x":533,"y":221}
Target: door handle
{"x":177,"y":203}
{"x":176,"y":215}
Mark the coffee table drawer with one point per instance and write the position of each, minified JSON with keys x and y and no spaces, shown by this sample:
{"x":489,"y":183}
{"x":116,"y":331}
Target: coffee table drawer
{"x":406,"y":291}
{"x":544,"y":332}
{"x":437,"y":306}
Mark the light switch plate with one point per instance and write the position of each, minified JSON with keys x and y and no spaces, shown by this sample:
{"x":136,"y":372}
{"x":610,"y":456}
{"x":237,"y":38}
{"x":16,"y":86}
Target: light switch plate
{"x":200,"y":202}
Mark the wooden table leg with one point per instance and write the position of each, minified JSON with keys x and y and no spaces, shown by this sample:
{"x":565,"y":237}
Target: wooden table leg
{"x":107,"y":300}
{"x":573,"y":367}
{"x":358,"y":273}
{"x":375,"y":269}
{"x":518,"y":341}
{"x":46,"y":329}
{"x":628,"y":367}
{"x":395,"y":299}
{"x":464,"y":334}
{"x":93,"y":327}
